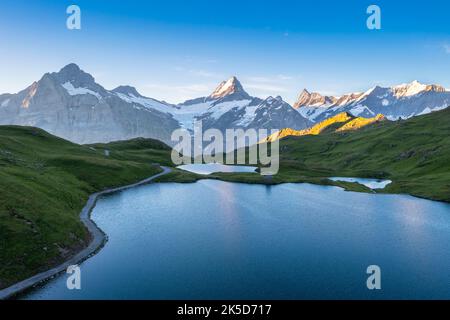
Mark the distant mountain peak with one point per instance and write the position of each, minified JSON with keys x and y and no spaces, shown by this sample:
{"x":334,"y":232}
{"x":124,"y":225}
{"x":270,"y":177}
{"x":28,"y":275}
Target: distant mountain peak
{"x":272,"y":99}
{"x":409,"y":89}
{"x":302,"y":99}
{"x":71,"y":70}
{"x":71,"y":67}
{"x":415,"y":87}
{"x":307,"y":98}
{"x":127,"y":90}
{"x":72,"y":73}
{"x":228,"y":87}
{"x":305,"y":92}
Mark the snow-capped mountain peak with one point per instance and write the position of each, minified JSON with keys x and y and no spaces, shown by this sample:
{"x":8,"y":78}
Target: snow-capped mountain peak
{"x":75,"y":91}
{"x":303,"y":98}
{"x":76,"y":81}
{"x":228,"y":87}
{"x":229,"y":106}
{"x":415,"y":87}
{"x":409,"y":89}
{"x":307,"y":98}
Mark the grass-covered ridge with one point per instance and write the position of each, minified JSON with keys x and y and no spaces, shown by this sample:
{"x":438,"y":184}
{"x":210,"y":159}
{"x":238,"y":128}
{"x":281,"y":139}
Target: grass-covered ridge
{"x":44,"y":183}
{"x":341,"y":122}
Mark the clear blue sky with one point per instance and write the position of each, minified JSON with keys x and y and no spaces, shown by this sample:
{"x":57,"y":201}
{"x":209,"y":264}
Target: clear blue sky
{"x":175,"y":50}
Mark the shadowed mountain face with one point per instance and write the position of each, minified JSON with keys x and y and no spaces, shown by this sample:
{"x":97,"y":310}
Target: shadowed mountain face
{"x":402,"y":101}
{"x":70,"y":104}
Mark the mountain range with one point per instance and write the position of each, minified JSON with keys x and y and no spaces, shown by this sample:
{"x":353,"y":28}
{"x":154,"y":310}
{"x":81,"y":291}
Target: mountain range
{"x":402,"y":101}
{"x":72,"y":105}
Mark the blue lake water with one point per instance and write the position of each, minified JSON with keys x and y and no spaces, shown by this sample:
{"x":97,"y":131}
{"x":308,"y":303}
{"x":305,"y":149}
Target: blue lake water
{"x":220,"y":240}
{"x":209,"y":168}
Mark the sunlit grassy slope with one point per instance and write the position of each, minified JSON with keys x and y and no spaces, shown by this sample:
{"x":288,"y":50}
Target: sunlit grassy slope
{"x":343,"y":121}
{"x":44,"y":183}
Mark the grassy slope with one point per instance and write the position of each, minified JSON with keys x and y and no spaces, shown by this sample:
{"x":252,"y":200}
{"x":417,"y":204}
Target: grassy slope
{"x":44,"y":183}
{"x":415,"y":154}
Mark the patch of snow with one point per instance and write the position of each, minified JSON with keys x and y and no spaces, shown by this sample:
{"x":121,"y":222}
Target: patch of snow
{"x":410,"y":89}
{"x":383,"y":96}
{"x":79,"y":91}
{"x":365,"y":94}
{"x":248,"y":116}
{"x":312,"y":113}
{"x":219,"y":109}
{"x":351,"y":97}
{"x":186,"y":115}
{"x":356,"y":111}
{"x":392,"y":118}
{"x":5,"y":103}
{"x":385,"y":102}
{"x":145,"y":102}
{"x":429,"y":110}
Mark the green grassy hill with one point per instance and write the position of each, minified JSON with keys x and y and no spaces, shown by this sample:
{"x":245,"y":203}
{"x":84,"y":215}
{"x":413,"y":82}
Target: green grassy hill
{"x":414,"y":153}
{"x":44,"y":183}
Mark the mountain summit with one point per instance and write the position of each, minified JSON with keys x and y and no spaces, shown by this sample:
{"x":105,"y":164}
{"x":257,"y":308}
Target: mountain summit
{"x":415,"y":87}
{"x":73,"y":74}
{"x":306,"y":98}
{"x":230,"y":87}
{"x":127,"y":90}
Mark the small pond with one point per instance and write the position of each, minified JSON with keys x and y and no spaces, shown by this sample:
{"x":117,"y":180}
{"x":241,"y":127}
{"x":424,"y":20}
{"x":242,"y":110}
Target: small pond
{"x":369,"y":183}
